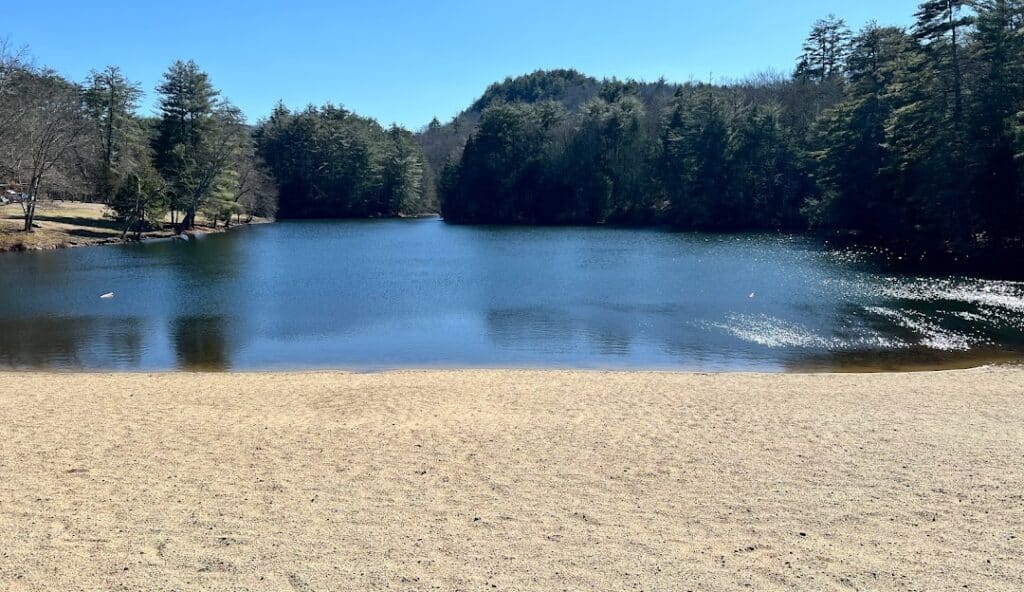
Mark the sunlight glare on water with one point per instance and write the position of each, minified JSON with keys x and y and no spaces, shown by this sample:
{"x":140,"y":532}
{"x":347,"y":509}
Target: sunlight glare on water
{"x":390,"y":294}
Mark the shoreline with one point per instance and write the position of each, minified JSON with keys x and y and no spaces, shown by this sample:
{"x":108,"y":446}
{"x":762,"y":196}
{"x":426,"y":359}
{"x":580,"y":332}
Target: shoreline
{"x":1008,"y":361}
{"x":1012,"y":366}
{"x":512,"y":479}
{"x":71,"y":225}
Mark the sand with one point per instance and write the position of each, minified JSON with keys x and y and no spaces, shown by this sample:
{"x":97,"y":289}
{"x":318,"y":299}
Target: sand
{"x":512,"y":480}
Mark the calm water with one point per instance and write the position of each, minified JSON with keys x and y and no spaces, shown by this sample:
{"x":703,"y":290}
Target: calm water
{"x":386,"y":294}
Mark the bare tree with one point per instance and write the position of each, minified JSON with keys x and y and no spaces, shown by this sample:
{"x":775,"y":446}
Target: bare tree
{"x":254,"y":193}
{"x":13,"y":68}
{"x":48,"y":128}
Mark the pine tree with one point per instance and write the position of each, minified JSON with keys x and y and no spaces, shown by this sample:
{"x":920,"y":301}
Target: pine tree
{"x":701,"y":151}
{"x":997,"y":49}
{"x":185,"y":147}
{"x":852,"y":152}
{"x":940,"y":28}
{"x":111,"y":100}
{"x":824,"y":51}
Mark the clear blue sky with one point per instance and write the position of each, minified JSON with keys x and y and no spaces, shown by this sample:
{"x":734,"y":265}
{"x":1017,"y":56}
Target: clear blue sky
{"x":407,"y":61}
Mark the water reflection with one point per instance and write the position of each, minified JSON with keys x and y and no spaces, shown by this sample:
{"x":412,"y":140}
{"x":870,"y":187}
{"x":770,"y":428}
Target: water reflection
{"x":79,"y":342}
{"x":420,"y":293}
{"x":201,"y":343}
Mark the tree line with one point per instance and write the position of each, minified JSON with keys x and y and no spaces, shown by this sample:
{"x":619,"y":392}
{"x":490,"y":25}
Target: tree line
{"x":911,"y":138}
{"x":88,"y":141}
{"x":332,"y":163}
{"x":197,"y":156}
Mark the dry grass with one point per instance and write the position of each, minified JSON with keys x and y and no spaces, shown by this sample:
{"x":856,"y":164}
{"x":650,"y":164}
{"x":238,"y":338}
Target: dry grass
{"x":60,"y":224}
{"x":65,"y":224}
{"x":508,"y":480}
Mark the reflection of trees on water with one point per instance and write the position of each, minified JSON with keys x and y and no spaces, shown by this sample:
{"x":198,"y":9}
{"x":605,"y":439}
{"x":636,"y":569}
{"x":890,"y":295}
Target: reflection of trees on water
{"x":125,"y":343}
{"x":205,"y":288}
{"x":201,"y":342}
{"x":79,"y":342}
{"x":39,"y":343}
{"x":199,"y":260}
{"x":212,"y":258}
{"x":525,"y":328}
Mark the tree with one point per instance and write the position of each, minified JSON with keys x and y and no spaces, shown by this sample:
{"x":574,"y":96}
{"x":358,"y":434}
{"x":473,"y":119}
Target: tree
{"x":700,"y":150}
{"x":13,"y":70}
{"x":851,"y":147}
{"x":767,"y":180}
{"x":402,"y":174}
{"x":186,"y":146}
{"x":255,"y":193}
{"x":997,"y":50}
{"x":939,"y":26}
{"x":141,"y":200}
{"x":330,"y":162}
{"x":499,"y":172}
{"x":824,"y":51}
{"x":203,"y":171}
{"x":47,"y":129}
{"x":932,"y":106}
{"x":111,"y":101}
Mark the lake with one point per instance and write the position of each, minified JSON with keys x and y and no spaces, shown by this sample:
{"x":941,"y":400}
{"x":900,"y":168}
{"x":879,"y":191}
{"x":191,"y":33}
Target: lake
{"x":369,"y":295}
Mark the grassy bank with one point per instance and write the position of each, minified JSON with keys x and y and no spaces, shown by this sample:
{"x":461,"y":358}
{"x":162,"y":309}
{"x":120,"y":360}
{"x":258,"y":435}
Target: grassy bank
{"x":473,"y":480}
{"x":70,"y":224}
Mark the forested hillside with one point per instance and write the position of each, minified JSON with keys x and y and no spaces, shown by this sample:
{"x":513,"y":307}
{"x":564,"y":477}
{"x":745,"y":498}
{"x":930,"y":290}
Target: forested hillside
{"x":908,"y":138}
{"x":911,"y":138}
{"x":332,"y":163}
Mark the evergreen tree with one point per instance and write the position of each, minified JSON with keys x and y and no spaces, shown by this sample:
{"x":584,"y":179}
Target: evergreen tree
{"x":997,"y":50}
{"x":140,"y":201}
{"x":330,"y":162}
{"x":111,"y":100}
{"x":938,"y":121}
{"x":183,"y":144}
{"x":703,"y":166}
{"x":824,"y":51}
{"x":402,"y":175}
{"x":854,"y":161}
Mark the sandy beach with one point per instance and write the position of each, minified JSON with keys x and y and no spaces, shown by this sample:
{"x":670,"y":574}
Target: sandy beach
{"x":512,"y":480}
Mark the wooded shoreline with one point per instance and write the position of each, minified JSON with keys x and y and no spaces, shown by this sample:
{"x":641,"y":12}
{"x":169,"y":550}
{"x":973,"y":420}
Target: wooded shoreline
{"x":913,"y":137}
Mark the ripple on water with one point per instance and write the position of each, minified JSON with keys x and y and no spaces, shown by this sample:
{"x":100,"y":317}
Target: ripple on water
{"x":1008,"y":296}
{"x":932,"y":334}
{"x":773,"y":332}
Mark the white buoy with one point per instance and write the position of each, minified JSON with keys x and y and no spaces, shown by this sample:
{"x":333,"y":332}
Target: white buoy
{"x":107,"y":296}
{"x":752,"y":294}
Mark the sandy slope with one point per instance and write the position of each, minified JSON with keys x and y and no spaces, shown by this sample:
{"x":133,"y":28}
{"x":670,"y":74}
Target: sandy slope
{"x":506,"y":480}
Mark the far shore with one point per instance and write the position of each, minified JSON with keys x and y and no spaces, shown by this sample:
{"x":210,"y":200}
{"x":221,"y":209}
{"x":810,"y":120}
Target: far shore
{"x":68,"y":224}
{"x":512,"y":480}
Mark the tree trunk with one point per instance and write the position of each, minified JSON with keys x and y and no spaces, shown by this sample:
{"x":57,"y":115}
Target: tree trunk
{"x":30,"y":214}
{"x":187,"y":222}
{"x":128,"y":226}
{"x":30,"y":206}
